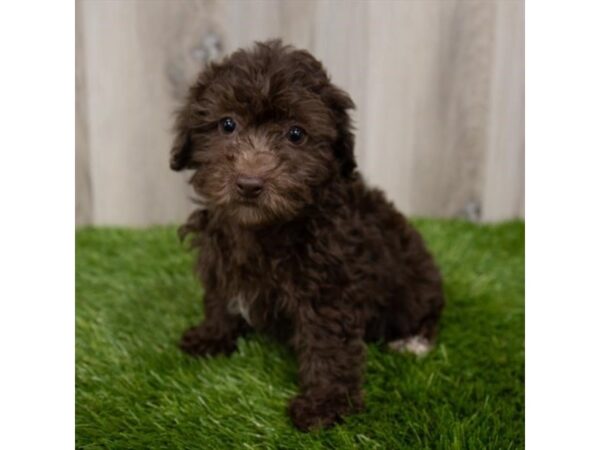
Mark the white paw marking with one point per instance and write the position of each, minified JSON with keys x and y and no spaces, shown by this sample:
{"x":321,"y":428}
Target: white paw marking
{"x":417,"y":345}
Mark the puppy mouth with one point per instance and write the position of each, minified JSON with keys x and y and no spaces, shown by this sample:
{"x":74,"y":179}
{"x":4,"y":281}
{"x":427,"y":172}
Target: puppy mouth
{"x":244,"y":203}
{"x":249,"y":212}
{"x":251,"y":202}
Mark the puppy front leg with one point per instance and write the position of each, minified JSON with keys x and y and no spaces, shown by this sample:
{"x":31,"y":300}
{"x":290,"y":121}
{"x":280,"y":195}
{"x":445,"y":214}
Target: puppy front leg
{"x":331,"y":353}
{"x":217,"y":333}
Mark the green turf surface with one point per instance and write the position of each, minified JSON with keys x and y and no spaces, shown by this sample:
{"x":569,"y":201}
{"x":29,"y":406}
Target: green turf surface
{"x":135,"y":390}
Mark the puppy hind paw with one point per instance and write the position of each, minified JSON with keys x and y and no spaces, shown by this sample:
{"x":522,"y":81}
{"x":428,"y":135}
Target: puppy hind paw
{"x":417,"y":345}
{"x":196,"y":342}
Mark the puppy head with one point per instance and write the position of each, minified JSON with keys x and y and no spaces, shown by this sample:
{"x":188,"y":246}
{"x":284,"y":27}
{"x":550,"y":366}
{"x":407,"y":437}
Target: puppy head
{"x":263,"y":130}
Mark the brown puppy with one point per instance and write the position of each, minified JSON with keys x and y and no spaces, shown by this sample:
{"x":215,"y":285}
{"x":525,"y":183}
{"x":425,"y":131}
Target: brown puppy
{"x":291,"y":241}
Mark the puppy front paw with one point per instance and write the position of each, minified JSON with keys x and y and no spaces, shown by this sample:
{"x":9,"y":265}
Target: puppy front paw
{"x":200,"y":341}
{"x":309,"y":413}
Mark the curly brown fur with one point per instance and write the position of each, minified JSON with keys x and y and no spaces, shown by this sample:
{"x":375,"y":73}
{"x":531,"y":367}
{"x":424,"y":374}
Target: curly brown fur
{"x":304,"y":250}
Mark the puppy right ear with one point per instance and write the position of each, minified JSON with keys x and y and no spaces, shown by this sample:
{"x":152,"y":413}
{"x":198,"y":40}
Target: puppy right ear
{"x":181,"y":151}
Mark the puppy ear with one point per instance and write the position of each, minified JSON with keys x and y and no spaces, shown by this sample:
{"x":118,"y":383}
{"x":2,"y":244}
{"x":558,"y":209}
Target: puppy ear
{"x":343,"y":147}
{"x":181,"y":151}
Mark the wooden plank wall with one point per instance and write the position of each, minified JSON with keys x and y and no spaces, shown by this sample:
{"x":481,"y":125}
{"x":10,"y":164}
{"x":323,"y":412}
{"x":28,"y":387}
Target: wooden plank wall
{"x":439,"y":88}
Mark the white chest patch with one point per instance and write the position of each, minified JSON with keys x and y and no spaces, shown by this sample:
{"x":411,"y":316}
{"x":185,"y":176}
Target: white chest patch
{"x":238,"y":305}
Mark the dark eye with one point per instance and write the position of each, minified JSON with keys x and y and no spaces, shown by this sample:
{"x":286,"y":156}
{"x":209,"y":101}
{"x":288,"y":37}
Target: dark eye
{"x":296,"y":135}
{"x":227,"y":125}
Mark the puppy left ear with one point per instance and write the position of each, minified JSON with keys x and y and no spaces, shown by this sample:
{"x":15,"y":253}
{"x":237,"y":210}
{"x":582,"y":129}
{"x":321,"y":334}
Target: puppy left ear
{"x":182,"y":148}
{"x":181,"y":151}
{"x":343,"y":147}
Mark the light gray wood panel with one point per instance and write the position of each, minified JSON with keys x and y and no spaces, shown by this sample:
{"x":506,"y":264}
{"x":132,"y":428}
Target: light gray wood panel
{"x":452,"y":117}
{"x":391,"y":103}
{"x":504,"y":182}
{"x":83,"y":183}
{"x":130,"y":104}
{"x":428,"y":106}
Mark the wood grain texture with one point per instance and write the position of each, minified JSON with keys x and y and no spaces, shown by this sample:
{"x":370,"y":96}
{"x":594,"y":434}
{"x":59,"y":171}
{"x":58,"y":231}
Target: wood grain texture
{"x":83,"y":182}
{"x":438,"y":86}
{"x":130,"y":102}
{"x":504,"y":182}
{"x":452,"y":108}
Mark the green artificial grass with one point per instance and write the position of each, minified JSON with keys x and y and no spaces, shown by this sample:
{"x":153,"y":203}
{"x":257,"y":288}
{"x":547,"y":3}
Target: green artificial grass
{"x":135,"y":390}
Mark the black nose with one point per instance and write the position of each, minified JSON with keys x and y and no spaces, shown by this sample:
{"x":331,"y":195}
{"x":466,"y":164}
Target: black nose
{"x":249,"y":187}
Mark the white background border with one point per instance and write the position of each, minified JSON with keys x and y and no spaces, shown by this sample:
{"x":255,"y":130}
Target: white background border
{"x":37,"y":295}
{"x":562,"y":213}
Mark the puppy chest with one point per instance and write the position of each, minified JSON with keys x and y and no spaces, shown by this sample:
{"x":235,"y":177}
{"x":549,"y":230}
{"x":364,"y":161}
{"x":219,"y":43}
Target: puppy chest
{"x":260,"y":312}
{"x":238,"y":305}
